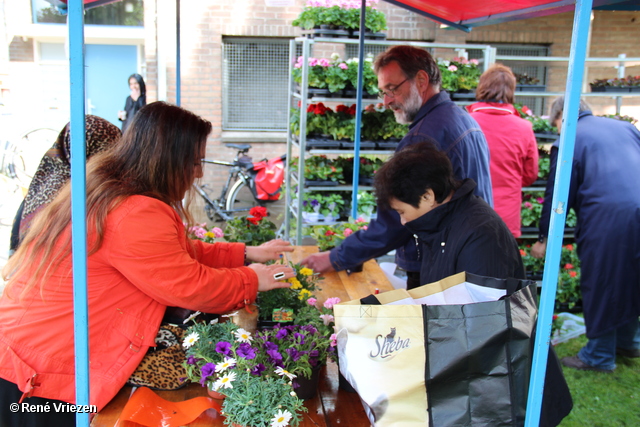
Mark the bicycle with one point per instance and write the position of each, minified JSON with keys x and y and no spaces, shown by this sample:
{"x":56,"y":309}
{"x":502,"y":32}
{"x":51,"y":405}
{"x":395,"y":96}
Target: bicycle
{"x":20,"y":159}
{"x":239,"y":193}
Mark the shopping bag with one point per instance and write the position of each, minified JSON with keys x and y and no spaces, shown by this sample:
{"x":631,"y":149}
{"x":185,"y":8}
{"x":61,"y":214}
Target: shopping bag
{"x":451,"y":353}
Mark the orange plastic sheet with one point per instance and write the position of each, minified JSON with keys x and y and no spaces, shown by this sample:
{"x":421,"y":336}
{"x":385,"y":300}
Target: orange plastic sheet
{"x":148,"y":409}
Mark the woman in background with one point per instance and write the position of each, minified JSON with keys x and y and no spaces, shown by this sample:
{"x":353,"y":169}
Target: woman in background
{"x":135,"y":101}
{"x":140,"y":261}
{"x":512,"y":144}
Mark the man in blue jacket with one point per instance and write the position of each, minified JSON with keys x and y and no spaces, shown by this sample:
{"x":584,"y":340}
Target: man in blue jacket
{"x":409,"y":82}
{"x":604,"y":194}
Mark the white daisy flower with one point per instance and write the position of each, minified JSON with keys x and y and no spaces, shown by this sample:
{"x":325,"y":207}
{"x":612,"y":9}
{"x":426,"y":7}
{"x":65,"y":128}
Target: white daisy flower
{"x":283,"y":372}
{"x":190,"y":318}
{"x":243,"y":335}
{"x":226,"y":364}
{"x":190,"y":339}
{"x":225,"y":381}
{"x":281,"y":419}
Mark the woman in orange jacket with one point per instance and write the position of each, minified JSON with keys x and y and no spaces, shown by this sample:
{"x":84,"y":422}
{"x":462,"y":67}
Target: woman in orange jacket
{"x":140,"y":261}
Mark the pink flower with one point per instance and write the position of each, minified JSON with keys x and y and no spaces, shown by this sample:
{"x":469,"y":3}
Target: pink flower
{"x":474,"y":61}
{"x":540,"y":200}
{"x":330,"y":302}
{"x":323,"y":62}
{"x":217,"y":232}
{"x":334,"y":340}
{"x":452,"y":68}
{"x":311,"y":301}
{"x":313,"y":62}
{"x":326,"y":319}
{"x":359,"y":220}
{"x":364,"y":227}
{"x":343,"y":66}
{"x":347,"y":232}
{"x":528,"y":205}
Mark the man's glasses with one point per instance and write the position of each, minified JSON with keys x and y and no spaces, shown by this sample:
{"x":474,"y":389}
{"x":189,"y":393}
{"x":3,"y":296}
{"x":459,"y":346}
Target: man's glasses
{"x":391,"y":93}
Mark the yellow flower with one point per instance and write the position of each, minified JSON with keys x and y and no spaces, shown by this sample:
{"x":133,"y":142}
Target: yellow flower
{"x":306,"y":271}
{"x":295,"y":283}
{"x":209,"y":235}
{"x":304,"y":294}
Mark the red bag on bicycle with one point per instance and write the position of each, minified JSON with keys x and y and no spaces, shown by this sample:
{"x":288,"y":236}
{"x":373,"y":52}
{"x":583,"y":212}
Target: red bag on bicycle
{"x":269,"y":178}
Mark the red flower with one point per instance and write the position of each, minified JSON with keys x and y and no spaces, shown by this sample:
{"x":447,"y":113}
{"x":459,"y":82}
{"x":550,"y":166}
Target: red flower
{"x":569,"y":247}
{"x":254,"y":221}
{"x":573,"y":273}
{"x":555,"y":317}
{"x":258,"y":211}
{"x":320,"y":109}
{"x":311,"y":108}
{"x":329,"y":233}
{"x":352,"y":110}
{"x":523,"y":252}
{"x":568,"y":266}
{"x":342,"y":109}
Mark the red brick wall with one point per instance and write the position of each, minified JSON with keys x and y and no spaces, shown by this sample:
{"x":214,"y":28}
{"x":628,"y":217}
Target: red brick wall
{"x":21,"y":50}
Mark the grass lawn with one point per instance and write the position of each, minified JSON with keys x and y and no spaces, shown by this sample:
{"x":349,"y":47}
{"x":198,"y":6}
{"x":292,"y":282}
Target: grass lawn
{"x":601,"y":399}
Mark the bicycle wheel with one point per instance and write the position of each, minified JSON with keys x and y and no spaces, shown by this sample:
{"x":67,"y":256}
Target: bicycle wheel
{"x":28,"y":152}
{"x":240,"y":199}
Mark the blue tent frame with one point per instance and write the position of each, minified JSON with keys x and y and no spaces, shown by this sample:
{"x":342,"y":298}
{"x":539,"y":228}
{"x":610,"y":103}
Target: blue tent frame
{"x":560,"y":194}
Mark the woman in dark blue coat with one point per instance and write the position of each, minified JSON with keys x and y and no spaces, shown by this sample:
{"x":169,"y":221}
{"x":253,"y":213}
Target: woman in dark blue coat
{"x":605,"y":194}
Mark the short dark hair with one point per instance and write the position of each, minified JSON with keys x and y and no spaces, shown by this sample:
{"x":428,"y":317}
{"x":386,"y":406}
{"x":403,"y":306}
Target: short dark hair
{"x":497,"y":84}
{"x":411,"y":60}
{"x":411,"y":172}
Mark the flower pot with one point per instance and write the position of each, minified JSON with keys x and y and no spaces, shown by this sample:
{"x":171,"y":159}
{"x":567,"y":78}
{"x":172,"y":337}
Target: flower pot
{"x":331,"y":218}
{"x":214,"y":394}
{"x":306,"y":388}
{"x":310,"y":217}
{"x":247,"y":318}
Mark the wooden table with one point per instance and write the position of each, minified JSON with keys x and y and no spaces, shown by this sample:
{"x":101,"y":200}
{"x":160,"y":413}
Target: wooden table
{"x":331,"y":407}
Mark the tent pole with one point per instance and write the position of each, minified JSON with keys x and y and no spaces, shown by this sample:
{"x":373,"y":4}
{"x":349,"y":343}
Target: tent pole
{"x":575,"y":75}
{"x":78,"y":206}
{"x":356,"y":138}
{"x":178,"y":86}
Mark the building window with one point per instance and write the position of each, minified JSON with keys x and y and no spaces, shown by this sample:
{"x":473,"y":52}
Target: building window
{"x":255,"y":78}
{"x":125,"y":13}
{"x":533,"y":69}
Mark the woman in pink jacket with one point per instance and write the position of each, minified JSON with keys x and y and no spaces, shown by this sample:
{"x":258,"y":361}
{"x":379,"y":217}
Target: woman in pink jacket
{"x":512,"y":144}
{"x":140,"y":261}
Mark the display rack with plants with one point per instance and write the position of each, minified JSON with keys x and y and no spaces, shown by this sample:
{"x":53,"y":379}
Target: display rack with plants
{"x":341,"y":18}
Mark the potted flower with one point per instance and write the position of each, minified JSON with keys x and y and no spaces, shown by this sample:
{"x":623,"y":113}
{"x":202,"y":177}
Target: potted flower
{"x":618,"y":84}
{"x":531,"y":210}
{"x":228,"y":361}
{"x":331,"y":206}
{"x":568,"y":295}
{"x":311,"y":207}
{"x":320,"y":170}
{"x":316,"y":74}
{"x":333,"y":17}
{"x":368,"y":167}
{"x":282,"y":304}
{"x":525,"y":82}
{"x":200,"y":232}
{"x":459,"y":76}
{"x":366,"y":204}
{"x":331,"y":236}
{"x":369,"y":77}
{"x":252,"y":230}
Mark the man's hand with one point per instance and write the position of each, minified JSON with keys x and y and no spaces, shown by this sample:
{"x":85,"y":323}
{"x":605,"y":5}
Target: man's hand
{"x":272,"y":250}
{"x":320,"y":262}
{"x":538,"y":249}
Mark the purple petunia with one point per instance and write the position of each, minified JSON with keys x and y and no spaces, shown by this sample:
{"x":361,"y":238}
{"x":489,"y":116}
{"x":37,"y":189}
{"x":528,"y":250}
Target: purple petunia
{"x":246,"y":351}
{"x":281,"y":333}
{"x":274,"y":355}
{"x":270,"y":346}
{"x":294,"y":354}
{"x":191,"y":360}
{"x":224,"y":347}
{"x":206,"y":370}
{"x":299,"y":338}
{"x":258,"y":369}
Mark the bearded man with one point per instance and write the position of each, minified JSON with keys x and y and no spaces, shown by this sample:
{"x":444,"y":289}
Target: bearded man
{"x":409,"y":83}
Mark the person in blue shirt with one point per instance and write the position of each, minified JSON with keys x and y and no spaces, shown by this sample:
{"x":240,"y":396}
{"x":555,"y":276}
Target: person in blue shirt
{"x":604,"y":194}
{"x":409,"y":82}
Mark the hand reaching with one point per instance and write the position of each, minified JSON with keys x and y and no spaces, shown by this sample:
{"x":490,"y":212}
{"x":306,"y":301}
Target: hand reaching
{"x":272,"y":250}
{"x":266,"y":273}
{"x":320,"y":263}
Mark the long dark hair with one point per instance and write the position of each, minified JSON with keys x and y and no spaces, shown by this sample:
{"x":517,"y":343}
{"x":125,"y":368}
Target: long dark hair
{"x":157,"y":157}
{"x":140,"y":80}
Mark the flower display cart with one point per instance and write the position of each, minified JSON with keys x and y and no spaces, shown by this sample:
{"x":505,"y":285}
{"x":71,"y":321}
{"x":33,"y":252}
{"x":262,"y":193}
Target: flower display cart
{"x":328,"y":126}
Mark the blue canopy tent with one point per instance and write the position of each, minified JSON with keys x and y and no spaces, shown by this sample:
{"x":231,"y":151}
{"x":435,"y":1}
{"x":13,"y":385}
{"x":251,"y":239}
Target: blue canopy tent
{"x":463,"y":15}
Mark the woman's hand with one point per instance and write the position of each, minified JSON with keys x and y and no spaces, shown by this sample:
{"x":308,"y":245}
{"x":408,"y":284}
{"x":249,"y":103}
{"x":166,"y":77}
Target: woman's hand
{"x":272,"y":250}
{"x":267,"y":276}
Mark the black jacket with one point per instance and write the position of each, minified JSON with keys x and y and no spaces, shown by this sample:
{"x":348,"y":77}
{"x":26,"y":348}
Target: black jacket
{"x":465,"y":234}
